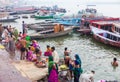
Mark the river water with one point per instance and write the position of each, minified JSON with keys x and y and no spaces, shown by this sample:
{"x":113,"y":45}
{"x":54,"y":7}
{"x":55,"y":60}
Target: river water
{"x":94,"y":55}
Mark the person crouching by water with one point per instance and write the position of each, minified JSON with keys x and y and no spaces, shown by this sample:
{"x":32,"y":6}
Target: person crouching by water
{"x":52,"y":70}
{"x":87,"y":77}
{"x":115,"y":62}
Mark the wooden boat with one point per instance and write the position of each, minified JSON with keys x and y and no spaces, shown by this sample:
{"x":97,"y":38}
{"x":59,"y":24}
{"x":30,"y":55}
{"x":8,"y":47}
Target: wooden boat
{"x":43,"y":27}
{"x":89,"y":12}
{"x":43,"y":17}
{"x":40,"y":26}
{"x":25,"y":10}
{"x":8,"y":19}
{"x":25,"y":17}
{"x":112,"y":26}
{"x":116,"y":27}
{"x":106,"y":37}
{"x":48,"y":16}
{"x":50,"y":33}
{"x":101,"y":22}
{"x":69,"y":21}
{"x":84,"y":31}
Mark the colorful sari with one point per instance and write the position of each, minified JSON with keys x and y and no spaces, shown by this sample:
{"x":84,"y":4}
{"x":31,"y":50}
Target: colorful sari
{"x":53,"y":71}
{"x":78,"y":59}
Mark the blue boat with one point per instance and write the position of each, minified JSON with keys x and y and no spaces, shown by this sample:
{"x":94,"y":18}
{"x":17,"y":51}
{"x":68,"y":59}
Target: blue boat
{"x":69,"y":21}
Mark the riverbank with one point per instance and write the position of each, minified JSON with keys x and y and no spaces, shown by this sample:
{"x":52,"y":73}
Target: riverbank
{"x":8,"y":73}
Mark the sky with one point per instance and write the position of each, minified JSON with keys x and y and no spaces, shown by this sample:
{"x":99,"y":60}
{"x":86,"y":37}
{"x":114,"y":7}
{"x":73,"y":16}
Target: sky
{"x":82,"y":1}
{"x":61,"y":1}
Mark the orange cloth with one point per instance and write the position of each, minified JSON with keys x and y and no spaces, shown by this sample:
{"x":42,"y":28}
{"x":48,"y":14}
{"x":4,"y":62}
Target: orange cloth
{"x":23,"y":42}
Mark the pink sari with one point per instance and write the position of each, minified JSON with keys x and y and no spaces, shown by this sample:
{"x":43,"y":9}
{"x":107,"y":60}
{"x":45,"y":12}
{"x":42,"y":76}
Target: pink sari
{"x":53,"y":77}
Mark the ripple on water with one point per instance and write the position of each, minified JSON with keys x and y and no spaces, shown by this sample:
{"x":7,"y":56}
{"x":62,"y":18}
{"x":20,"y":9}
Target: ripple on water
{"x":95,"y":56}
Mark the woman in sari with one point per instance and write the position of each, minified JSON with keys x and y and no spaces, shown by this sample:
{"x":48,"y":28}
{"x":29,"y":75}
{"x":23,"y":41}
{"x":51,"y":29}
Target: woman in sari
{"x":53,"y":70}
{"x":77,"y":58}
{"x":77,"y":68}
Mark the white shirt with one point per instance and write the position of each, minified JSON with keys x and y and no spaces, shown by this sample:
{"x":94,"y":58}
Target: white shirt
{"x":86,"y":77}
{"x":55,"y":56}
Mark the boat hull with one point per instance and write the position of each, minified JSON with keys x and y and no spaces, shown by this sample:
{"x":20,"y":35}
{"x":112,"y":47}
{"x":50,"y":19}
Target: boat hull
{"x":51,"y":35}
{"x":43,"y":17}
{"x":8,"y":20}
{"x":109,"y":39}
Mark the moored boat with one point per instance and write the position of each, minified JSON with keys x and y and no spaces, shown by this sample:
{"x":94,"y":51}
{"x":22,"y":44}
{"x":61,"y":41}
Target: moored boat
{"x":106,"y":37}
{"x":42,"y":27}
{"x":43,"y":17}
{"x":25,"y":10}
{"x":8,"y":19}
{"x":51,"y":33}
{"x":101,"y":22}
{"x":49,"y":15}
{"x":69,"y":21}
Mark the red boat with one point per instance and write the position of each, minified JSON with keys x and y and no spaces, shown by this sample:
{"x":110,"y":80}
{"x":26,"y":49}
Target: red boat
{"x":106,"y":37}
{"x":85,"y":23}
{"x":25,"y":10}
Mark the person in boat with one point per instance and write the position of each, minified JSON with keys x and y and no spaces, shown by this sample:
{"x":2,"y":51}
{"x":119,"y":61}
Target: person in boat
{"x":48,"y":52}
{"x":52,"y":70}
{"x":55,"y":55}
{"x":115,"y":62}
{"x":87,"y":77}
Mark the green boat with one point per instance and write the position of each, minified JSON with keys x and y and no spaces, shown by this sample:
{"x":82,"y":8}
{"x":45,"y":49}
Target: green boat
{"x":48,"y":16}
{"x":44,"y":17}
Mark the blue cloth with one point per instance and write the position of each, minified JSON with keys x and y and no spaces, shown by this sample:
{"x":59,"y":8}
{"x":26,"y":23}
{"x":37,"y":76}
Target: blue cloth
{"x":70,"y":67}
{"x":78,"y":59}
